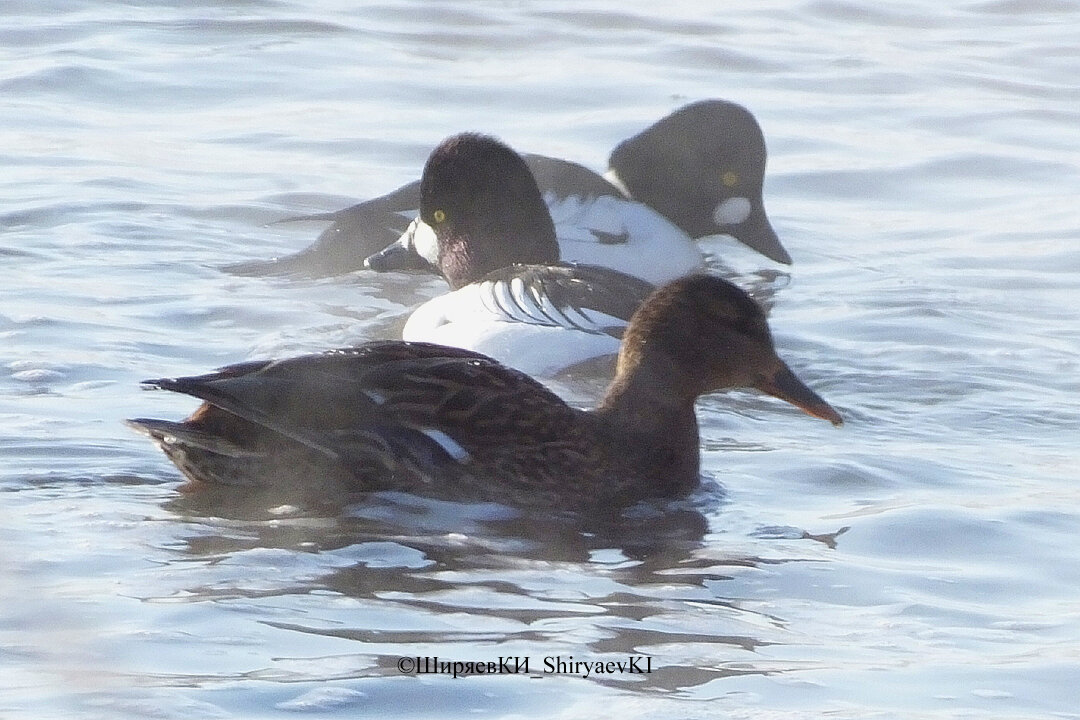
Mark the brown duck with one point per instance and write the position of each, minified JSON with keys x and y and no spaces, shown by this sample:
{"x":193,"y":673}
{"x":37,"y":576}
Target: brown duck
{"x":453,"y":423}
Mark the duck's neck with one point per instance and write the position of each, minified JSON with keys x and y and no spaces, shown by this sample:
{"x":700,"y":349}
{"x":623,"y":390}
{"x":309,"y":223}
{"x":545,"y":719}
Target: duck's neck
{"x":466,"y":259}
{"x":656,"y":416}
{"x":648,"y":402}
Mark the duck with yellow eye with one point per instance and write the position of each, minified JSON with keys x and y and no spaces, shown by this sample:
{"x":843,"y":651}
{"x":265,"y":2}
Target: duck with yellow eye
{"x":695,"y":173}
{"x":485,"y":227}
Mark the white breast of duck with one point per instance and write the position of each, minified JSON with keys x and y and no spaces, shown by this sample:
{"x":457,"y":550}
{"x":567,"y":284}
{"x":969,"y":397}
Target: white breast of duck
{"x":537,"y":319}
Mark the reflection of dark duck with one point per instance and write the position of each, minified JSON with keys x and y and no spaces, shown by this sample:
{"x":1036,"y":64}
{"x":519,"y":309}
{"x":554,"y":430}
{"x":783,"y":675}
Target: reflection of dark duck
{"x":447,"y":422}
{"x":700,"y":168}
{"x":448,"y":533}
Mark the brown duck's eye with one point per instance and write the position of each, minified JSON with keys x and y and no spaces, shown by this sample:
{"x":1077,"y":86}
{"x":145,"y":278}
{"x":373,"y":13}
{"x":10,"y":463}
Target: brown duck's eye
{"x":438,"y":216}
{"x":730,"y":178}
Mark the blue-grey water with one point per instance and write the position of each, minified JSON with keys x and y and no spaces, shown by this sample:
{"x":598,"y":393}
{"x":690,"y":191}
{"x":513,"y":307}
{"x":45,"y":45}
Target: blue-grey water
{"x":924,"y":173}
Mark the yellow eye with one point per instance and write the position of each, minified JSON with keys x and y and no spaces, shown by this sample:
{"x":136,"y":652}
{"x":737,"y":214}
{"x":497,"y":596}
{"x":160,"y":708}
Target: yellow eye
{"x":438,"y":216}
{"x":730,"y":179}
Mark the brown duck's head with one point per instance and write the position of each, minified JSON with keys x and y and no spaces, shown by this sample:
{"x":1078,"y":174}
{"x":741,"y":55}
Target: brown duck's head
{"x":701,"y":333}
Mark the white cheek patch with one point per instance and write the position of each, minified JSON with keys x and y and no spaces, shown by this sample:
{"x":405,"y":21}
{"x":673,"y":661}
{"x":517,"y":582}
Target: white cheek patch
{"x":424,"y":243}
{"x":613,"y":177}
{"x":731,"y":211}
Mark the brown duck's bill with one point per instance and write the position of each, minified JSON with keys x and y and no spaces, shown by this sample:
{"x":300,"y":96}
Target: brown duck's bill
{"x":784,"y":385}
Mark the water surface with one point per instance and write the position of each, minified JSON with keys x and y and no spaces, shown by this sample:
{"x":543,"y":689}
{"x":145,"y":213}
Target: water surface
{"x":921,"y":562}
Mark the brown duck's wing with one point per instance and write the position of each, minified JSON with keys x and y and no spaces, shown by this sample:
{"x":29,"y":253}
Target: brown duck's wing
{"x":427,"y":407}
{"x":193,"y":436}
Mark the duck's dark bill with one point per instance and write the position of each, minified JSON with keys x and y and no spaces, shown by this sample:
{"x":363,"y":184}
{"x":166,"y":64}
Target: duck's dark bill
{"x":396,"y":257}
{"x":756,"y":232}
{"x":784,"y":385}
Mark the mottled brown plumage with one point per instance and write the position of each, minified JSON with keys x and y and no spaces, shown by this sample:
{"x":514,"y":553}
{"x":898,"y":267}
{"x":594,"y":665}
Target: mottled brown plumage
{"x":454,"y":423}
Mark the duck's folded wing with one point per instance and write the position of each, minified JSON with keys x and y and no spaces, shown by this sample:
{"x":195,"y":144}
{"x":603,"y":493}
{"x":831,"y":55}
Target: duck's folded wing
{"x":588,"y":298}
{"x":565,"y":178}
{"x":189,"y":435}
{"x":386,"y":404}
{"x":355,"y":233}
{"x":361,"y":230}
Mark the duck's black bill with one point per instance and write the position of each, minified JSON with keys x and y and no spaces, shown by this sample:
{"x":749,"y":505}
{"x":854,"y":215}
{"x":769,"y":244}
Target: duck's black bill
{"x":757,"y":233}
{"x":398,"y":257}
{"x":784,"y":385}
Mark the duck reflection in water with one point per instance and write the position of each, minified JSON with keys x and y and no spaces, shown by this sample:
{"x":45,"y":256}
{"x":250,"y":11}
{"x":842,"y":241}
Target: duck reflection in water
{"x":396,"y":574}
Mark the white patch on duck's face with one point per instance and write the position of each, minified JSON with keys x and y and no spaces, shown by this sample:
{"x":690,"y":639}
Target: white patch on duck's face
{"x":421,"y":237}
{"x":613,"y":177}
{"x":731,"y":211}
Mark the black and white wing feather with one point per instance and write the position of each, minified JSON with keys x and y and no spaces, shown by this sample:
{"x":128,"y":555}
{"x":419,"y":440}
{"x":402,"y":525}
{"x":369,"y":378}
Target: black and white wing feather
{"x":586,"y":298}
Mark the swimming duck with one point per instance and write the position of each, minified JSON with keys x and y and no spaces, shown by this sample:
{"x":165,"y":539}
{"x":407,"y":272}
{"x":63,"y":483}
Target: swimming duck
{"x":700,"y":169}
{"x":434,"y":420}
{"x":484,"y":226}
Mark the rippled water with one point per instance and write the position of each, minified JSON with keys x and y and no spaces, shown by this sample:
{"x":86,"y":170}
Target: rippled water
{"x":921,"y":562}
